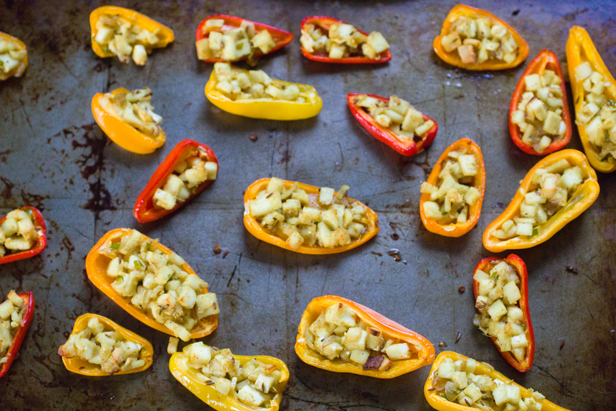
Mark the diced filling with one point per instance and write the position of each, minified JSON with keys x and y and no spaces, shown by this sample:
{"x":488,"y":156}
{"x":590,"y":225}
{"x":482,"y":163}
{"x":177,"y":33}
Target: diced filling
{"x":339,"y":334}
{"x":549,"y":191}
{"x":135,"y":109}
{"x":498,"y":304}
{"x":156,"y":283}
{"x":232,"y":44}
{"x":324,"y":219}
{"x":119,"y":36}
{"x":17,"y":232}
{"x":539,"y":113}
{"x":11,"y":55}
{"x":185,"y":179}
{"x":454,"y":193}
{"x":598,"y":113}
{"x":462,"y":383}
{"x":396,"y":115}
{"x":477,"y":40}
{"x":109,"y":349}
{"x":11,"y":320}
{"x":342,"y":40}
{"x":255,"y":383}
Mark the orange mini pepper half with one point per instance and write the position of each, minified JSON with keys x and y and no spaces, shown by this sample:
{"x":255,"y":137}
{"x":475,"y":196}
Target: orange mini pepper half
{"x":580,"y":49}
{"x":83,"y":367}
{"x":486,"y":265}
{"x":438,"y":402}
{"x":26,"y":319}
{"x":584,"y":196}
{"x":456,"y":229}
{"x":403,"y":145}
{"x":191,"y":379}
{"x":545,"y":60}
{"x":19,"y":69}
{"x":119,"y":131}
{"x":96,"y":268}
{"x":453,"y":58}
{"x":254,"y":228}
{"x":390,"y":328}
{"x":41,"y":241}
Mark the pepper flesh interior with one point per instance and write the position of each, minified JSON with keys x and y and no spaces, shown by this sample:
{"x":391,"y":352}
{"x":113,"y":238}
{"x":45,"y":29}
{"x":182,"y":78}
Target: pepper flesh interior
{"x":255,"y":383}
{"x":342,"y":40}
{"x":11,"y":320}
{"x":156,"y":283}
{"x":135,"y":109}
{"x":11,"y":55}
{"x":232,"y":44}
{"x":17,"y":233}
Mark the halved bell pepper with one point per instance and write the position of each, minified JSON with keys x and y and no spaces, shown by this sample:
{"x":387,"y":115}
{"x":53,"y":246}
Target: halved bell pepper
{"x":190,"y":379}
{"x":26,"y":319}
{"x":41,"y":242}
{"x":580,"y":49}
{"x":119,"y":131}
{"x":83,"y":367}
{"x":403,"y":145}
{"x":266,"y":108}
{"x":144,"y":210}
{"x":165,"y":34}
{"x":280,"y":37}
{"x":96,"y":268}
{"x":439,"y":403}
{"x":545,"y":60}
{"x":456,"y":229}
{"x":254,"y":228}
{"x":584,"y":196}
{"x":512,"y":259}
{"x":21,"y":67}
{"x":491,"y":64}
{"x":325,"y":23}
{"x":372,"y":318}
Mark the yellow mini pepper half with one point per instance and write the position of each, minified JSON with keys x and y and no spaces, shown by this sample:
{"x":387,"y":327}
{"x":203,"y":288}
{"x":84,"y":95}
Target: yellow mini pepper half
{"x":21,"y":67}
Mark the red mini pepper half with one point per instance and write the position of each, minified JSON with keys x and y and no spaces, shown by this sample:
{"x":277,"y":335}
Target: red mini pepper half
{"x":518,"y":263}
{"x":403,"y":145}
{"x":26,"y":319}
{"x":41,"y":242}
{"x":325,"y":22}
{"x":545,"y":60}
{"x":280,"y":37}
{"x":144,"y":210}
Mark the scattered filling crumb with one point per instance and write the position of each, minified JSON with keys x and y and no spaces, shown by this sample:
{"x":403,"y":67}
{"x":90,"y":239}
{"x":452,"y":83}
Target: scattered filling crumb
{"x":11,"y":55}
{"x":11,"y":320}
{"x":342,"y":40}
{"x":17,"y":233}
{"x":232,"y":44}
{"x":135,"y":109}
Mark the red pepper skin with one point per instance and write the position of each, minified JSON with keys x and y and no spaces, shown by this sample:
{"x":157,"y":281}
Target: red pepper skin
{"x":544,"y":60}
{"x":28,"y":299}
{"x":280,"y":37}
{"x":325,"y":22}
{"x":41,"y":242}
{"x":517,"y":262}
{"x":144,"y":210}
{"x":405,"y":146}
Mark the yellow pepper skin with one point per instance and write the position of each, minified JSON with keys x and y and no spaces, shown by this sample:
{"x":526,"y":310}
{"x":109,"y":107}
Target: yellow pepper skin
{"x":83,"y":367}
{"x":441,"y":404}
{"x":581,"y":49}
{"x":119,"y":131}
{"x":266,"y":108}
{"x":19,"y":70}
{"x":190,"y":379}
{"x":584,"y":196}
{"x":165,"y":34}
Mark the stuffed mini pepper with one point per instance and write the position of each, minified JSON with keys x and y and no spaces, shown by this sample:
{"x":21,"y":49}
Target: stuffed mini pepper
{"x":13,"y":57}
{"x":15,"y":317}
{"x":23,"y":234}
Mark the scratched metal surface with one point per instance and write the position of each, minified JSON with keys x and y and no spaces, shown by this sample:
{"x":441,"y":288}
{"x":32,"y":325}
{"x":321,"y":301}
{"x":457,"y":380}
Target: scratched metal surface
{"x":53,"y":156}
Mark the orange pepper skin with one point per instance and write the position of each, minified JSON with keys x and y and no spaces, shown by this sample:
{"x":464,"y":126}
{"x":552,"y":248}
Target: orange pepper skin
{"x":83,"y":367}
{"x":254,"y":228}
{"x":21,"y":67}
{"x":11,"y":354}
{"x":580,"y":48}
{"x":518,"y":263}
{"x":119,"y":131}
{"x":165,"y":35}
{"x":454,"y":59}
{"x":441,"y":404}
{"x":584,"y":196}
{"x":41,"y":241}
{"x":96,"y":268}
{"x":545,"y":60}
{"x":325,"y":23}
{"x":209,"y":395}
{"x":456,"y":229}
{"x":372,"y":318}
